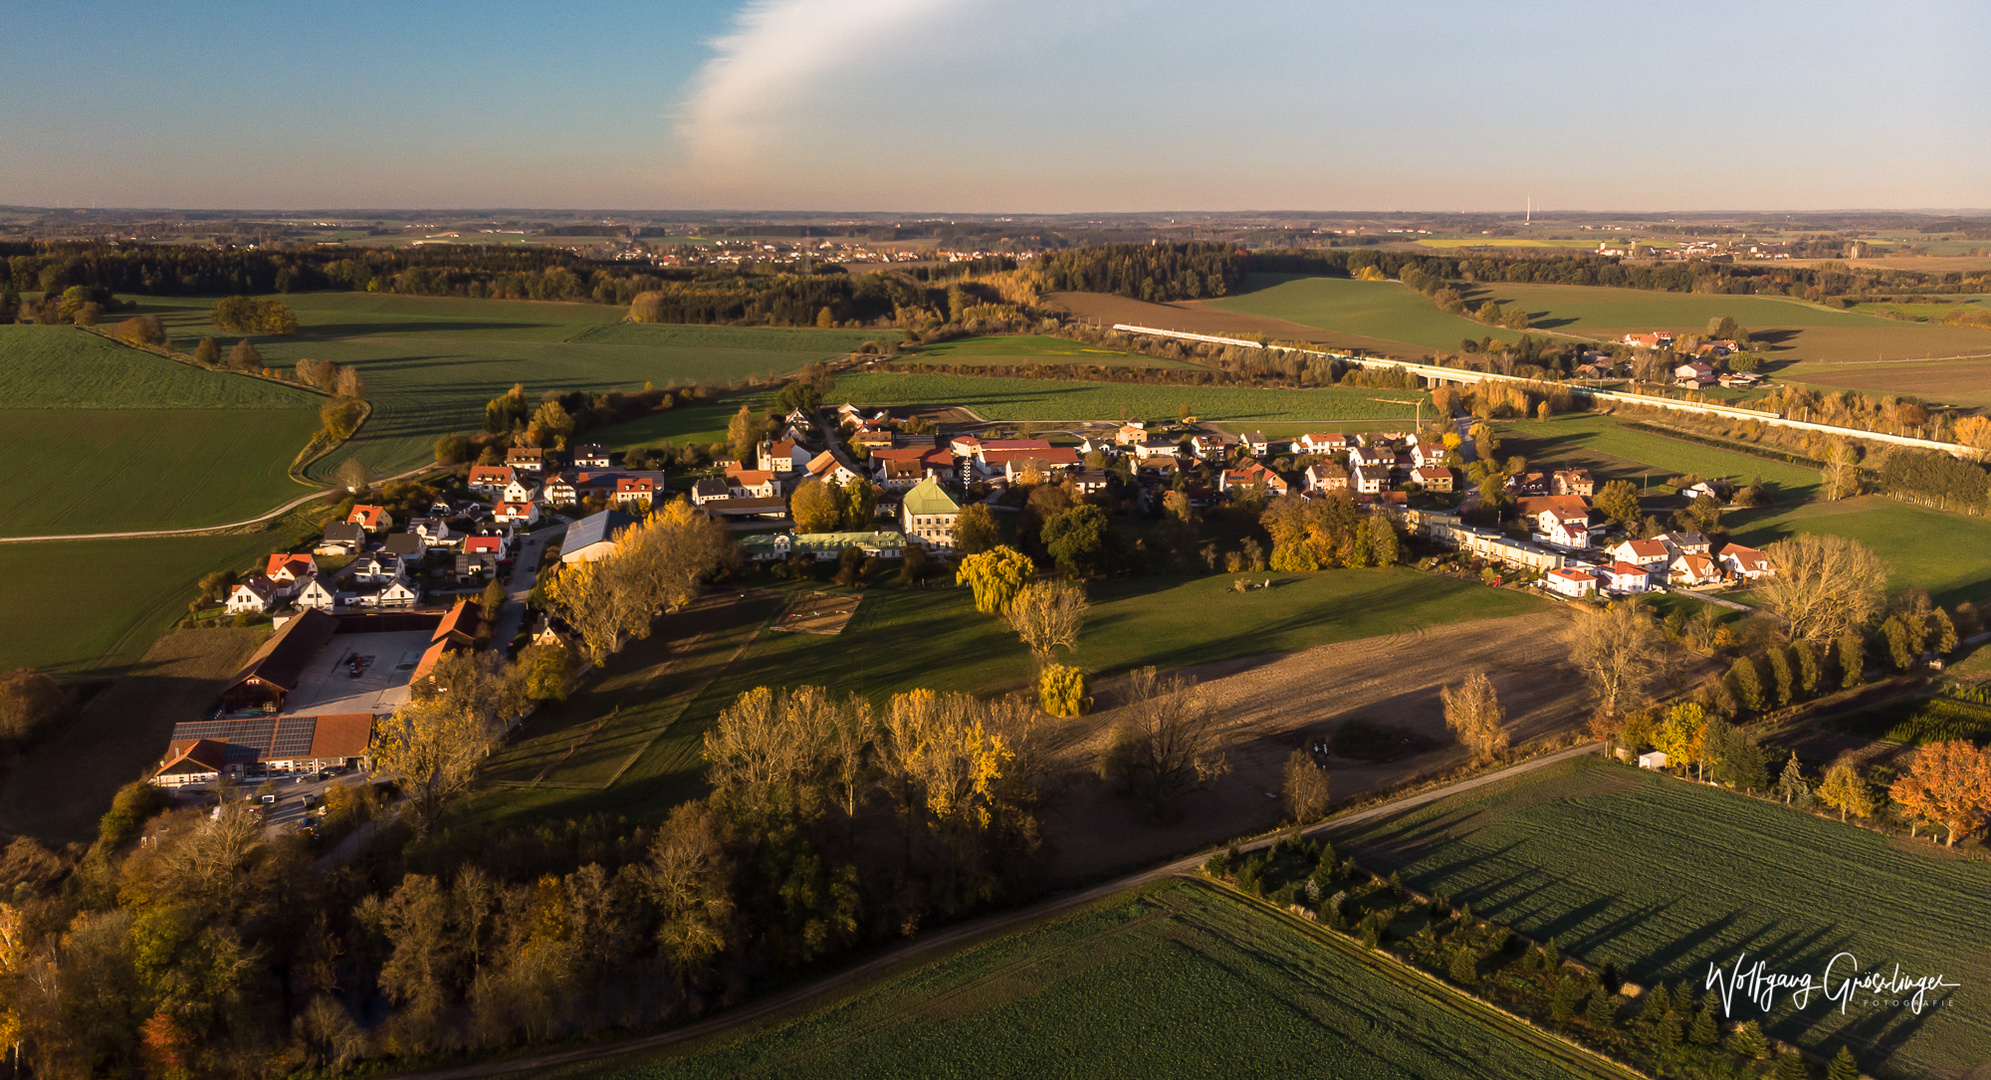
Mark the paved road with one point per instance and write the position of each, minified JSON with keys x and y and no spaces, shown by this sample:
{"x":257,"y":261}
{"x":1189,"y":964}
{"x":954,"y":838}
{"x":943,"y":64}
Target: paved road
{"x":974,"y":929}
{"x":204,"y":530}
{"x":525,"y":572}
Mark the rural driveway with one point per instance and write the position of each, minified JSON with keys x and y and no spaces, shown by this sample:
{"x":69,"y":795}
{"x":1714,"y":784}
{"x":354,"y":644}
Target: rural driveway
{"x":203,"y":530}
{"x":525,"y":572}
{"x":965,"y":932}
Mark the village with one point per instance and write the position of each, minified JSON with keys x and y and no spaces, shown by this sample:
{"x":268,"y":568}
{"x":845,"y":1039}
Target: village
{"x":366,"y":613}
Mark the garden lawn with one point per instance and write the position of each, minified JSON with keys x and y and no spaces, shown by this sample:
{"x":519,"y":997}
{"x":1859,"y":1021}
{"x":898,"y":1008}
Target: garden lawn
{"x":1947,"y":554}
{"x":1377,"y":309}
{"x":1024,"y":350}
{"x":1176,"y":980}
{"x":431,"y":363}
{"x":1049,"y":400}
{"x":1617,"y":450}
{"x":90,"y":608}
{"x":1665,"y":878}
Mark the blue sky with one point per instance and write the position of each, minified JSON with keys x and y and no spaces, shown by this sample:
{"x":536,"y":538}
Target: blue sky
{"x":996,"y":105}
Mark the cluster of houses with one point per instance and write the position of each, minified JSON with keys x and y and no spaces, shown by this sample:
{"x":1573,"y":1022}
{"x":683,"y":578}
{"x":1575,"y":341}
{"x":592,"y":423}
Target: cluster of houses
{"x":1700,"y":367}
{"x":1562,"y":519}
{"x":386,"y":562}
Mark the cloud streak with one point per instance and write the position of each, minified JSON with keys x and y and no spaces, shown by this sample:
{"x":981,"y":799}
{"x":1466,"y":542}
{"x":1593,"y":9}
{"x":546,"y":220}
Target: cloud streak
{"x":778,"y":51}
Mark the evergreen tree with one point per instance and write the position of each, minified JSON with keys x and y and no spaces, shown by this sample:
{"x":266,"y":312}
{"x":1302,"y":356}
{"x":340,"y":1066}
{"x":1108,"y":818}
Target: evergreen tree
{"x":1658,"y":1003}
{"x":1563,"y":1007}
{"x":1791,"y":1066}
{"x":1748,"y":1043}
{"x":1599,"y":1014}
{"x":1747,"y":683}
{"x":1465,"y":967}
{"x":1783,"y":681}
{"x":1843,"y":1067}
{"x":1809,"y":667}
{"x":1705,"y":1031}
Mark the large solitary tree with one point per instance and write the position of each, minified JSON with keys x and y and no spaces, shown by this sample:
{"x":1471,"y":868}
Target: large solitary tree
{"x":1473,"y":712}
{"x":1824,"y":586}
{"x":1166,"y":742}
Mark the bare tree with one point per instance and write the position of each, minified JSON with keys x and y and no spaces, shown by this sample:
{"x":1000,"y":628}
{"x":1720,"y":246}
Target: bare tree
{"x":354,"y":476}
{"x":1048,"y":615}
{"x":1825,"y":586}
{"x":1473,"y":712}
{"x":1166,"y":743}
{"x":1842,"y":471}
{"x":1618,"y":653}
{"x":1307,"y":790}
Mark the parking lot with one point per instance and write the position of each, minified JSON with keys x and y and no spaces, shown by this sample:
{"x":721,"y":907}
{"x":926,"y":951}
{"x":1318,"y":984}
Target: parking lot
{"x":291,"y":796}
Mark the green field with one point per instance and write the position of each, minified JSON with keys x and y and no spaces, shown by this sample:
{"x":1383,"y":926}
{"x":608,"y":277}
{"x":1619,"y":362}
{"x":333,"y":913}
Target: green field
{"x":1918,"y":720}
{"x":903,"y":639}
{"x":96,"y":437}
{"x":1027,"y":349}
{"x":1666,"y":877}
{"x":1176,"y":980}
{"x":1045,"y":399}
{"x":1614,"y":450}
{"x":1452,"y":243}
{"x":1384,"y":310}
{"x":1583,"y":309}
{"x":62,"y":367}
{"x":1947,"y":554}
{"x":431,"y":363}
{"x":95,"y":606}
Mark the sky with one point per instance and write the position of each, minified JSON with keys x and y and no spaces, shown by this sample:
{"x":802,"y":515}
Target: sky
{"x":995,"y":106}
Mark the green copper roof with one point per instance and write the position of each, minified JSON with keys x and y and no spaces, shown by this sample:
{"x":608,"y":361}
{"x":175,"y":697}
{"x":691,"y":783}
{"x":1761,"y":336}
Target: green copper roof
{"x":926,"y":497}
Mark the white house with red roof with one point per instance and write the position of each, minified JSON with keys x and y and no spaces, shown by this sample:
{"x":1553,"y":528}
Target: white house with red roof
{"x":784,"y":456}
{"x":1570,"y":581}
{"x":253,"y":596}
{"x":1253,"y":474}
{"x":1321,"y":443}
{"x":289,"y":570}
{"x":490,"y":479}
{"x":745,"y":483}
{"x":1562,"y":520}
{"x":1432,"y":478}
{"x":514,"y":513}
{"x":1626,"y":578}
{"x":1326,"y":476}
{"x":638,"y":491}
{"x":1651,"y":554}
{"x":1747,"y":563}
{"x":1693,"y":570}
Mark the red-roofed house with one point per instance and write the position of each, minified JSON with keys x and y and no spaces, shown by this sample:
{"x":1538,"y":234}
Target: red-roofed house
{"x":1693,"y":571}
{"x":1625,"y":578}
{"x":512,"y":513}
{"x":254,"y":596}
{"x":289,"y":569}
{"x":374,"y":519}
{"x":745,"y":484}
{"x":1747,"y":563}
{"x":490,"y":479}
{"x":192,"y":761}
{"x":1571,"y":582}
{"x":1563,"y":520}
{"x":1650,"y":554}
{"x":1572,"y":482}
{"x":1253,"y":474}
{"x":638,"y":491}
{"x":484,"y":545}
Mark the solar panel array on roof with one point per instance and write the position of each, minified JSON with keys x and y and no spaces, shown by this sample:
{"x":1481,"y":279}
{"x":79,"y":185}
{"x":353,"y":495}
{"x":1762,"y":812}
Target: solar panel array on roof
{"x":253,"y":734}
{"x":293,"y":737}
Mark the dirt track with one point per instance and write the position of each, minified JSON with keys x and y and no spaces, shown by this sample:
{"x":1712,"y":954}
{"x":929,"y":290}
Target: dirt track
{"x":1274,"y":702}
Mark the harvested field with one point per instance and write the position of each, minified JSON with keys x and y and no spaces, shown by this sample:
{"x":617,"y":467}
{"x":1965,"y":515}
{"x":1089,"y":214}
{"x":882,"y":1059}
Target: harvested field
{"x":1385,"y":311}
{"x":1024,"y":350}
{"x":1666,"y":877}
{"x":1064,"y":401}
{"x":1176,"y":980}
{"x":1946,"y":382}
{"x":819,"y":613}
{"x":57,"y":790}
{"x":1198,"y":317}
{"x":1273,"y":704}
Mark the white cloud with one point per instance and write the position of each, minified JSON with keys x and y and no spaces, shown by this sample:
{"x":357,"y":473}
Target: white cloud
{"x":777,"y":52}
